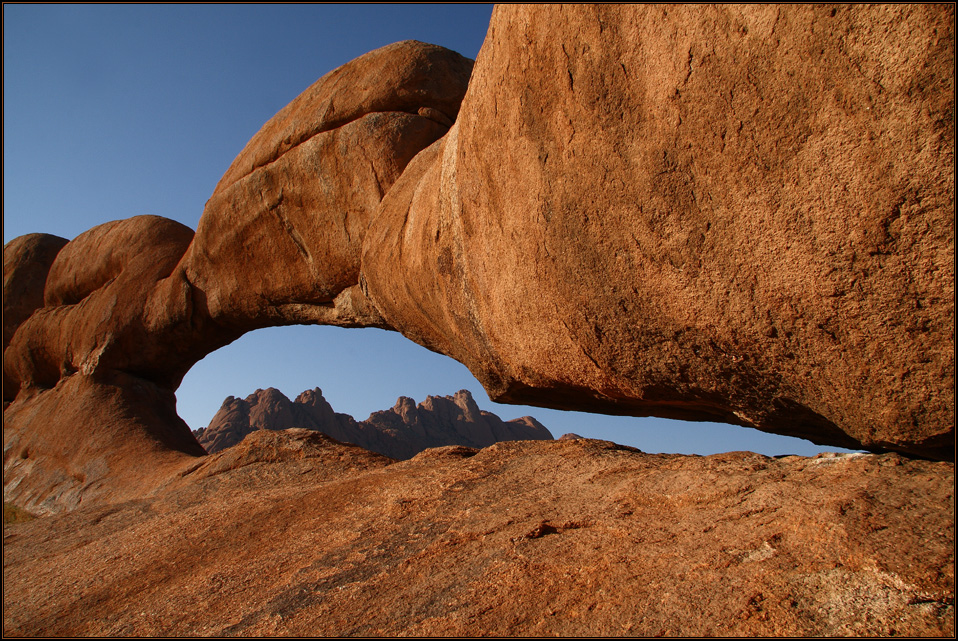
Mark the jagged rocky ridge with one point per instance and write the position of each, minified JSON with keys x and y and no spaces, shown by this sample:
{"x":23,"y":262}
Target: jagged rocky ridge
{"x":400,"y":432}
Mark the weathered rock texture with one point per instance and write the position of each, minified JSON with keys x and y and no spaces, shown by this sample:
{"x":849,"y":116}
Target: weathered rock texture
{"x":399,"y":433}
{"x":734,"y":213}
{"x":94,"y":370}
{"x":280,"y":238}
{"x":291,"y":534}
{"x":741,"y":213}
{"x":26,"y":263}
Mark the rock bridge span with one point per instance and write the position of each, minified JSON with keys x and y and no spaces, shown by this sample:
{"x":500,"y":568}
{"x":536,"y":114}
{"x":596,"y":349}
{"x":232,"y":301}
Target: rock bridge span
{"x":636,"y":210}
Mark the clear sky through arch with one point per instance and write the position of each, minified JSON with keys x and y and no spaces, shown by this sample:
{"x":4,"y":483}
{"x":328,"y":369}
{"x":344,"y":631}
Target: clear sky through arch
{"x":112,"y":111}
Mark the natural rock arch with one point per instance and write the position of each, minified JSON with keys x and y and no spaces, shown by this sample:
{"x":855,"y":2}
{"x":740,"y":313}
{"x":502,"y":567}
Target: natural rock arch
{"x":639,"y":210}
{"x":102,"y":334}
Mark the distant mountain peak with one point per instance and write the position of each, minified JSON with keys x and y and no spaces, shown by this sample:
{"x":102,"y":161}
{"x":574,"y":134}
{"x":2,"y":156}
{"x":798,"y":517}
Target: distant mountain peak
{"x":400,"y":432}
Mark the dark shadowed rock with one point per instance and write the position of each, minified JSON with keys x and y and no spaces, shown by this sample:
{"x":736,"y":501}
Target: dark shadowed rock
{"x":270,"y":409}
{"x":26,"y":263}
{"x":408,"y":429}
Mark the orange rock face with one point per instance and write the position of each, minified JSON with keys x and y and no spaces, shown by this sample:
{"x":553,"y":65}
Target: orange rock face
{"x":95,"y":368}
{"x":727,"y":213}
{"x":280,"y":238}
{"x":741,"y":214}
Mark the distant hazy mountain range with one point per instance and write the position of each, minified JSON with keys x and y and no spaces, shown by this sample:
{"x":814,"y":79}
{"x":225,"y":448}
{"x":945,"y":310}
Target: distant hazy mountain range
{"x":400,"y":432}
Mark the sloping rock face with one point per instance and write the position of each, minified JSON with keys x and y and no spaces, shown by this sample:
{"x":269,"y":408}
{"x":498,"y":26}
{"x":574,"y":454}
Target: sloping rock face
{"x":94,"y":369}
{"x":399,"y":433}
{"x":292,"y":534}
{"x":731,"y":213}
{"x":93,"y":440}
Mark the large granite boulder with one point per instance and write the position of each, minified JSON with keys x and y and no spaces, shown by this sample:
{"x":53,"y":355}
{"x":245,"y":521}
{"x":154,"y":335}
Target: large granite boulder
{"x":280,"y":238}
{"x":91,"y":373}
{"x":730,"y":213}
{"x":26,"y":263}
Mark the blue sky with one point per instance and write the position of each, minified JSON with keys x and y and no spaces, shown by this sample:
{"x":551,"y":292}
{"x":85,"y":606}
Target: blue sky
{"x":112,"y":111}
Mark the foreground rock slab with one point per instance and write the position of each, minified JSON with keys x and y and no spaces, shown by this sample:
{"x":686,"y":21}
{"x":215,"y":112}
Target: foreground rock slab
{"x":292,"y":533}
